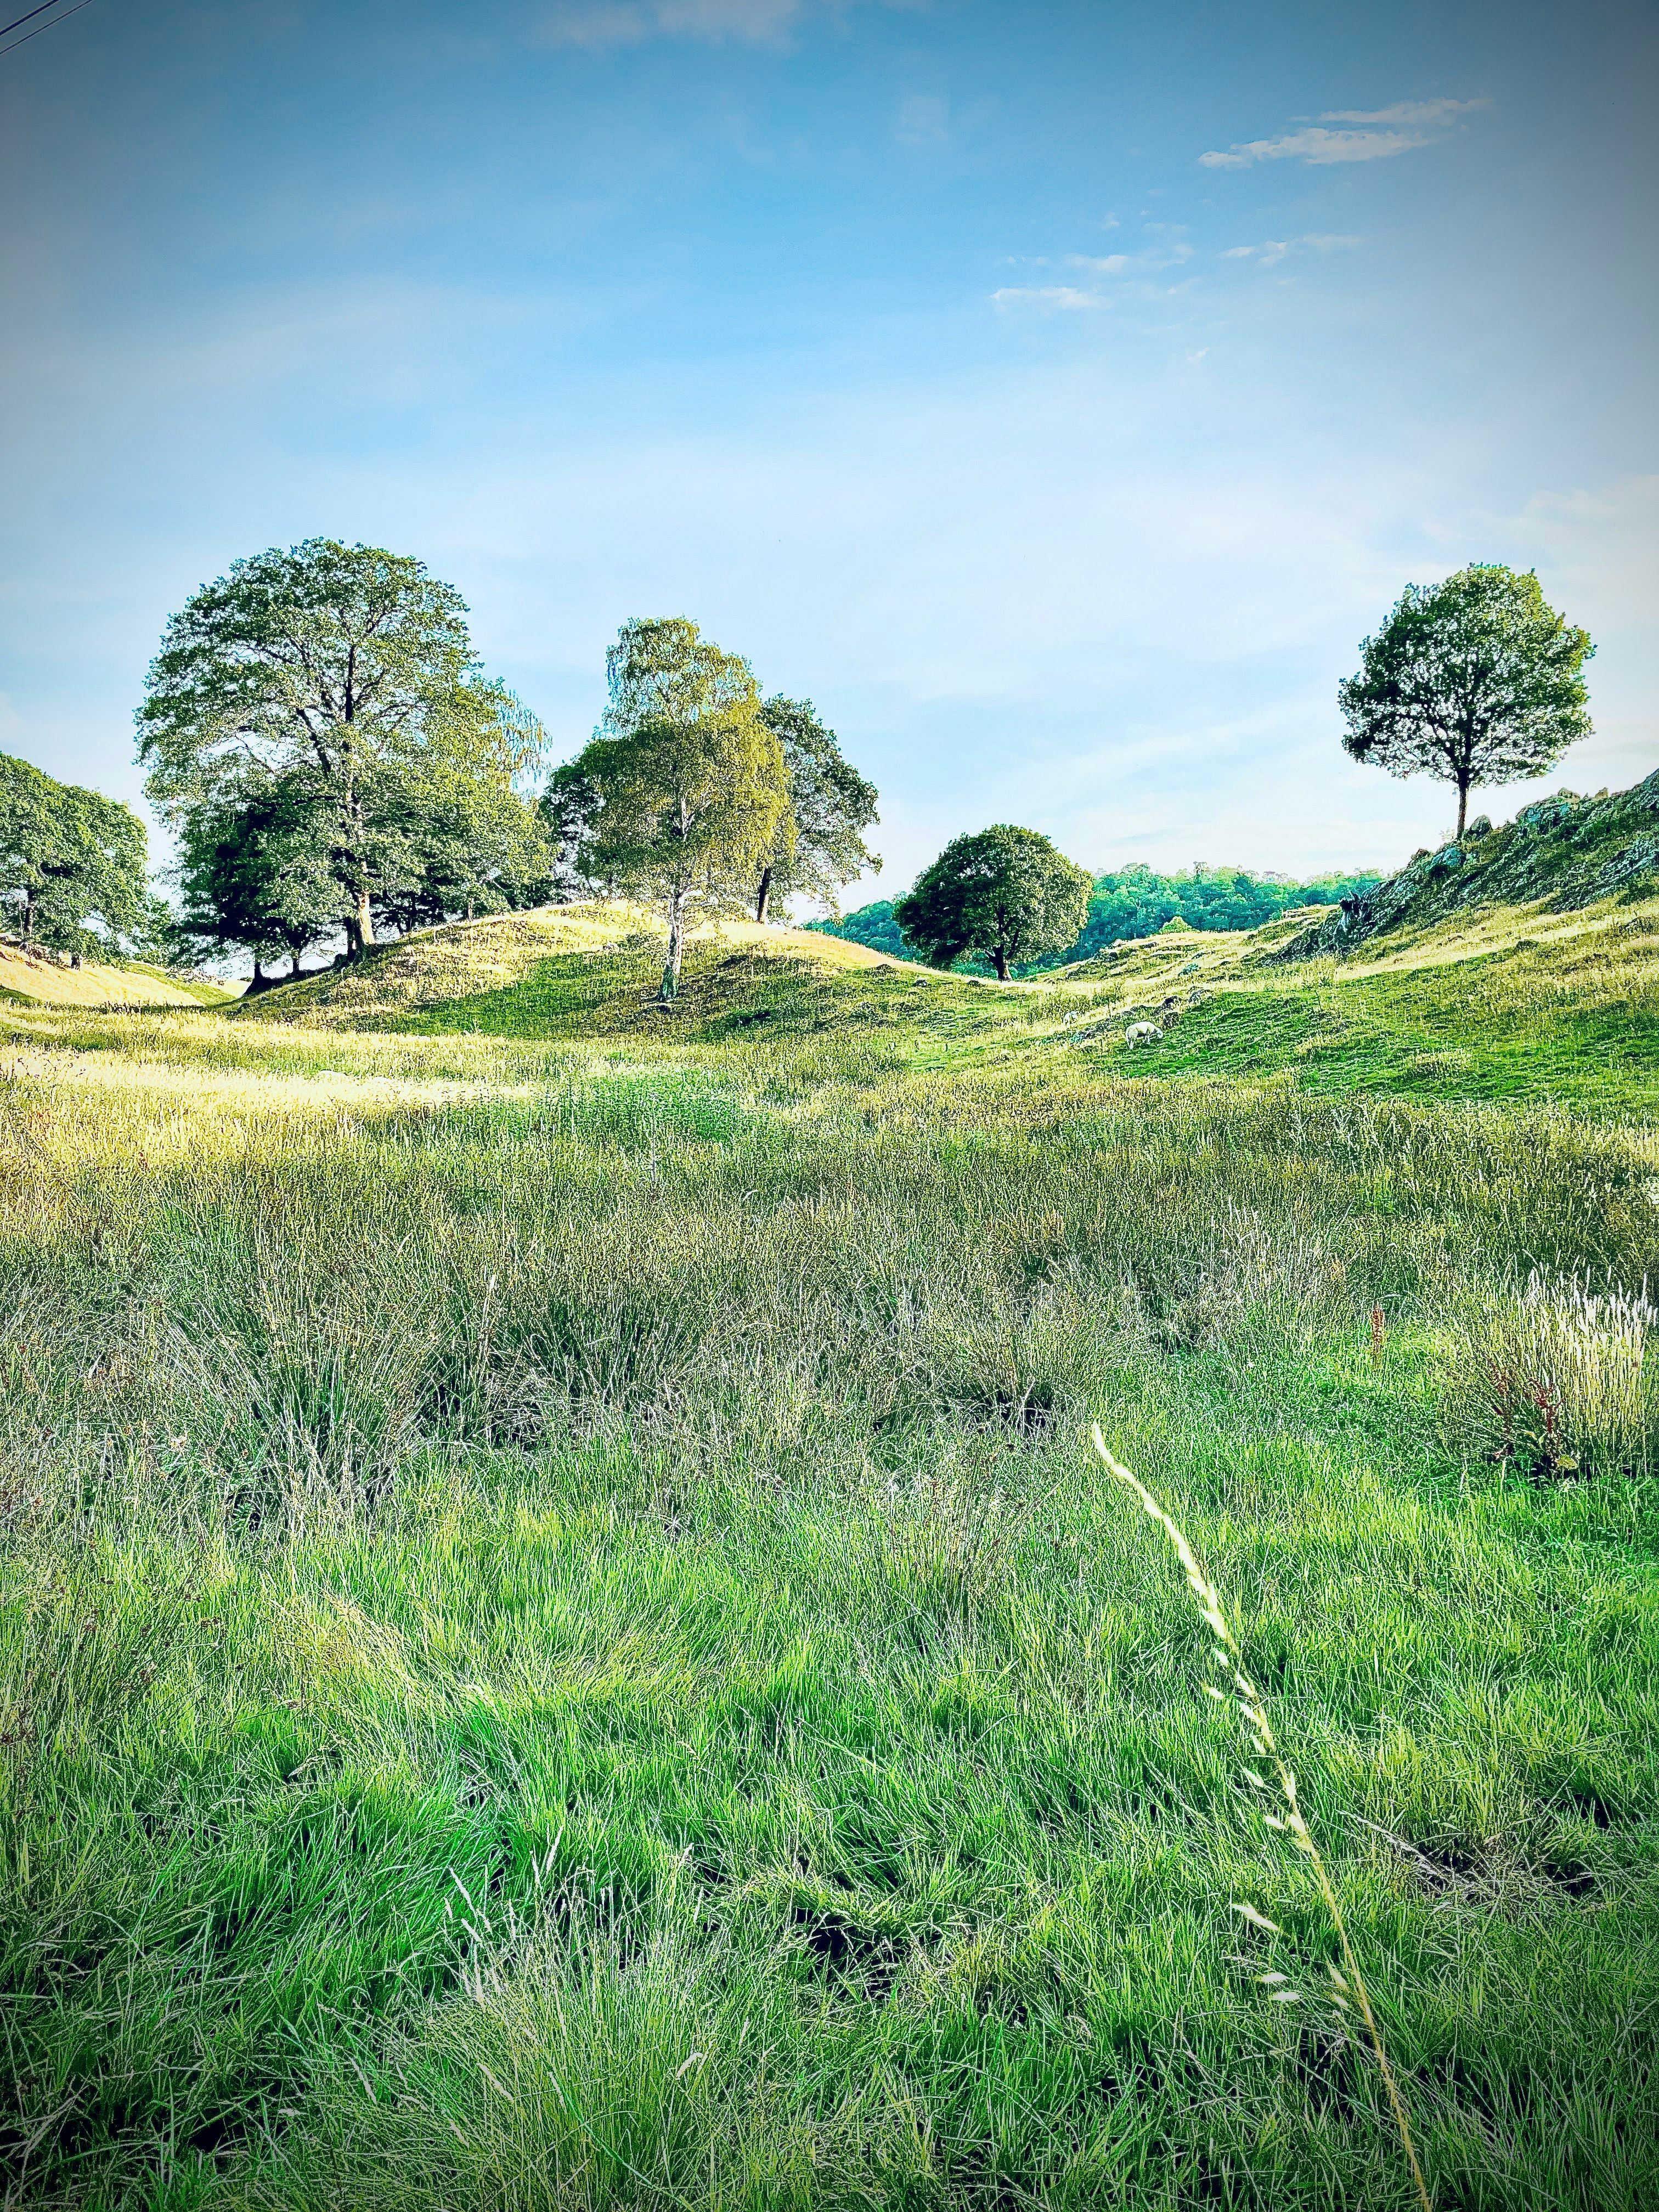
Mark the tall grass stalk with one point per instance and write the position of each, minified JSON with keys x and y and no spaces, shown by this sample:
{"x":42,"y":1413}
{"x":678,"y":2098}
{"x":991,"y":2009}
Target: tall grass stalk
{"x":1252,"y":1713}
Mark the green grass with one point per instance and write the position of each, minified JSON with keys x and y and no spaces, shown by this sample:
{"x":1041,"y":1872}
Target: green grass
{"x":563,"y":1644}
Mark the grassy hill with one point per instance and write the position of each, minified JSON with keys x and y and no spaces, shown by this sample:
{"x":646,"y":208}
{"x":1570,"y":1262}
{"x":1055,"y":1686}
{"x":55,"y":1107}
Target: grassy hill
{"x":40,"y":978}
{"x":1467,"y":994}
{"x":564,"y":1643}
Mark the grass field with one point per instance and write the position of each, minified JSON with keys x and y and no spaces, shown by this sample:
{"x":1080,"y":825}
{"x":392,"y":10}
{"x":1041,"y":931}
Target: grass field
{"x":564,"y":1643}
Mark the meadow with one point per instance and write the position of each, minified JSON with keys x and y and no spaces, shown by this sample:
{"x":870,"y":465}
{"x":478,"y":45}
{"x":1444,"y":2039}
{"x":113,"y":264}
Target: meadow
{"x":565,"y":1644}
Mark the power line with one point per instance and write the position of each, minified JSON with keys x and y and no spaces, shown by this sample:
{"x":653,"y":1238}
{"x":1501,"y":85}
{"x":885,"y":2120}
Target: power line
{"x":6,"y":29}
{"x":39,"y":27}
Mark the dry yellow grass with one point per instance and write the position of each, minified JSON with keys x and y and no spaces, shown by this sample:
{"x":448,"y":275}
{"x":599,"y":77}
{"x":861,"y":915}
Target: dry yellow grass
{"x":33,"y":976}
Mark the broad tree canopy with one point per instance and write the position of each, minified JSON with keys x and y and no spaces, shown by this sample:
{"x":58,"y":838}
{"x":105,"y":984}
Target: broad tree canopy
{"x":1006,"y":892}
{"x":345,"y":673}
{"x":819,"y":844}
{"x":687,"y":787}
{"x":73,"y":864}
{"x":1474,"y":681}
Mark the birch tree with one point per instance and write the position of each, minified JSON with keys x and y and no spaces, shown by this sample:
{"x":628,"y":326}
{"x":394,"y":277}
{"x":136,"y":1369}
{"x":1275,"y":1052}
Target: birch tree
{"x":687,"y":784}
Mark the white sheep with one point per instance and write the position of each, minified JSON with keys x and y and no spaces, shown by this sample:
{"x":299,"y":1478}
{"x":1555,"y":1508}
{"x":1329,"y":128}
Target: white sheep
{"x":1139,"y":1033}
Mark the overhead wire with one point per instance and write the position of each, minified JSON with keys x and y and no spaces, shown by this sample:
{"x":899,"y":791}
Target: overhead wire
{"x":6,"y":29}
{"x":39,"y":27}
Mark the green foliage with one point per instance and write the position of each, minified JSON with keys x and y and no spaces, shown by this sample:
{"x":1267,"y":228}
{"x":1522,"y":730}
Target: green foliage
{"x":820,"y":843}
{"x":568,"y":811}
{"x":688,"y":792}
{"x":1134,"y":903}
{"x":255,"y":873}
{"x":73,"y":864}
{"x":1005,"y":893}
{"x":1175,"y":921}
{"x":1474,"y":681}
{"x":343,"y":677}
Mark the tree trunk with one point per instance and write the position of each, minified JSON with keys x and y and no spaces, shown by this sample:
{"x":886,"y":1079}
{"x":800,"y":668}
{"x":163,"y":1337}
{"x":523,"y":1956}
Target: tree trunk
{"x":1001,"y":959}
{"x":670,"y":974}
{"x":1462,"y":808}
{"x":363,"y":927}
{"x":762,"y":897}
{"x":29,"y":917}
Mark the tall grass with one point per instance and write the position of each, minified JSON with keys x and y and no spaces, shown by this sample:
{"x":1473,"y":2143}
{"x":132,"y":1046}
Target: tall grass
{"x":1242,"y":1696}
{"x":559,"y":1643}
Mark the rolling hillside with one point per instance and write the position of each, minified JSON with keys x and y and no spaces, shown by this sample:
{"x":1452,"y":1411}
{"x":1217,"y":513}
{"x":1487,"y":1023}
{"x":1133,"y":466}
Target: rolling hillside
{"x":32,"y":975}
{"x":1531,"y":971}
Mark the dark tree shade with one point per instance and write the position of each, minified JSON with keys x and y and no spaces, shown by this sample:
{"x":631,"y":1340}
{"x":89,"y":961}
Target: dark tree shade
{"x":1474,"y":681}
{"x":255,"y":873}
{"x":1006,"y":892}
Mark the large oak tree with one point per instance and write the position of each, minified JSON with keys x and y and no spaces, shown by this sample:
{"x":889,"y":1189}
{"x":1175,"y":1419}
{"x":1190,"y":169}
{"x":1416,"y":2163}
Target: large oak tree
{"x":345,"y":673}
{"x":73,"y":864}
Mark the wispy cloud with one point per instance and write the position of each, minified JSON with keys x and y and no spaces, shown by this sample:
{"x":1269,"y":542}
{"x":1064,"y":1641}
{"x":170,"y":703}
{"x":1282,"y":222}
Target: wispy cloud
{"x":596,"y":24}
{"x":1416,"y":113}
{"x":923,"y":119}
{"x":1169,"y":249}
{"x":1367,"y":134}
{"x":1065,"y":296}
{"x":1273,"y":250}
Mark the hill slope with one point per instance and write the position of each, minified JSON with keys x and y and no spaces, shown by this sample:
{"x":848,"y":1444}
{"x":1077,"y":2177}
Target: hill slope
{"x":437,"y":970}
{"x":1559,"y":854}
{"x":32,"y":976}
{"x":1529,"y":970}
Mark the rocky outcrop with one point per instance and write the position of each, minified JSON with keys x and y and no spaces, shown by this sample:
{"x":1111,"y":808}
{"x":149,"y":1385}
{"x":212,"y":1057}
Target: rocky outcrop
{"x":1564,"y":850}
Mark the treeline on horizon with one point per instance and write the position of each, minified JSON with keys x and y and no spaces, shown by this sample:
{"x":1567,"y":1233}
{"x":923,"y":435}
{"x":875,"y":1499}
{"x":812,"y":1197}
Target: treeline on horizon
{"x":1131,"y":903}
{"x":318,"y":733}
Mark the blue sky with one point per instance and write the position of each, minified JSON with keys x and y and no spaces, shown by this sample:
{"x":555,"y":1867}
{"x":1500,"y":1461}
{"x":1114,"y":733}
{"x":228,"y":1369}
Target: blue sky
{"x":1056,"y":394}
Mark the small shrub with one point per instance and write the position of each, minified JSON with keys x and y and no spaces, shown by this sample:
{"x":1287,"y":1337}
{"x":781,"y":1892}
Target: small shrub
{"x":1560,"y":1382}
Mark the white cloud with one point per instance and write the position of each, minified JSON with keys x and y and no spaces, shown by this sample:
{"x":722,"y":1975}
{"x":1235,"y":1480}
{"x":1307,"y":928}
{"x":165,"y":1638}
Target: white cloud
{"x":1273,"y":251}
{"x":1369,"y":135}
{"x":1415,"y":112}
{"x":1046,"y":295}
{"x":1318,"y":146}
{"x":1169,"y":249}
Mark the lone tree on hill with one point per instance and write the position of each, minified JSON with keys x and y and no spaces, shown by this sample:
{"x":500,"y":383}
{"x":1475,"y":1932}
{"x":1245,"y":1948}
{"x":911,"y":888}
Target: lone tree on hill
{"x":70,"y":858}
{"x":820,"y":842}
{"x":1475,"y":681}
{"x":689,"y":789}
{"x":1006,"y":892}
{"x":349,"y":671}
